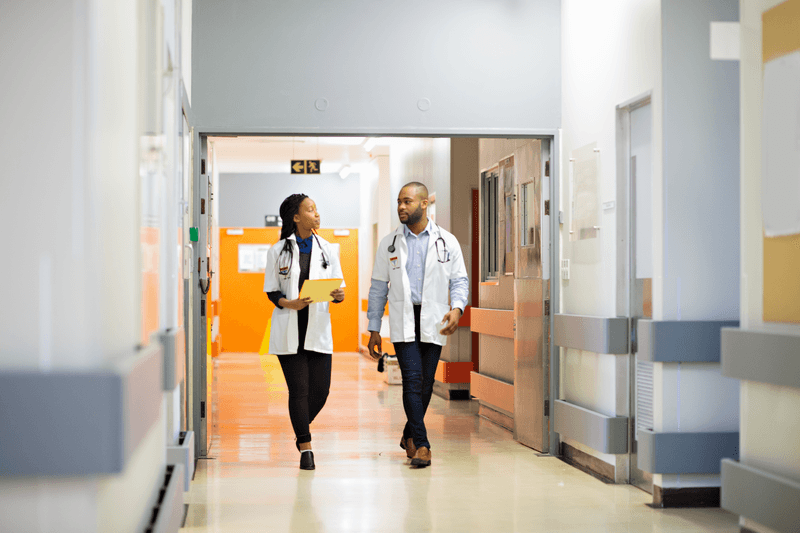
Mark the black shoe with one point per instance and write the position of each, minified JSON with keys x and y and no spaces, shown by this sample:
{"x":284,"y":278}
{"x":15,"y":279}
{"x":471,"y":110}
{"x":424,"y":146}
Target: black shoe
{"x":307,"y":460}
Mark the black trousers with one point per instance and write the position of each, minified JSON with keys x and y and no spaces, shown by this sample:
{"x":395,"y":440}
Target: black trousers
{"x":308,"y":377}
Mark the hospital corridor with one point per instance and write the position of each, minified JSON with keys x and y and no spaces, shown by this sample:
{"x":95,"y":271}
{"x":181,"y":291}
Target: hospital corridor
{"x":365,"y":266}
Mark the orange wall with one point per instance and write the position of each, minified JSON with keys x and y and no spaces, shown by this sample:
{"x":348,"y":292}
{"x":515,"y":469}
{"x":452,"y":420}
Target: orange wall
{"x":245,"y":308}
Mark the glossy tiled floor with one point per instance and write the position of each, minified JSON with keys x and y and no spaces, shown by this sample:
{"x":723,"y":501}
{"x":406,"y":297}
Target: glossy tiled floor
{"x":480,"y":480}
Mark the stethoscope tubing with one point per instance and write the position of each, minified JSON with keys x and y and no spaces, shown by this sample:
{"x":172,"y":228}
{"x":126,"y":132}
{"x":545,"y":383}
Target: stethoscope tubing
{"x":288,"y":266}
{"x":392,"y":248}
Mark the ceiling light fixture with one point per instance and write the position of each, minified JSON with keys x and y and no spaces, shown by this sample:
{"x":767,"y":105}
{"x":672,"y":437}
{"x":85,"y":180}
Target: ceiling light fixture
{"x":344,"y":172}
{"x":370,"y":144}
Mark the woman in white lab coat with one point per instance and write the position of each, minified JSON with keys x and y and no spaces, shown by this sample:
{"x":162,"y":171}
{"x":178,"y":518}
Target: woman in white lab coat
{"x":300,"y":332}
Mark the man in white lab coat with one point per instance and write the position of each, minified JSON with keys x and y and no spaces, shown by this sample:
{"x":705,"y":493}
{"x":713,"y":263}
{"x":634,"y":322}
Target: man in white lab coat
{"x":420,"y":268}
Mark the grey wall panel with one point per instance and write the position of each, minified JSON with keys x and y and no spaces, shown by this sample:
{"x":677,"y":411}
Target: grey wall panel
{"x":268,"y":66}
{"x":761,"y":356}
{"x":700,"y":110}
{"x":183,"y":453}
{"x":81,"y":422}
{"x":685,"y":453}
{"x":244,"y":199}
{"x":592,"y":333}
{"x":767,"y":498}
{"x":174,"y":347}
{"x":600,"y":432}
{"x":685,"y":341}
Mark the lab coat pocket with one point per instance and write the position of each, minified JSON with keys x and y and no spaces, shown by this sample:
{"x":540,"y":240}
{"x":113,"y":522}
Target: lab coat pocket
{"x":279,"y":330}
{"x":438,"y":311}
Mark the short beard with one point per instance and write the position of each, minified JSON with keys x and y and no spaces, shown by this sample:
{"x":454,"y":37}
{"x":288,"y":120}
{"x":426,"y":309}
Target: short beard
{"x":414,"y":217}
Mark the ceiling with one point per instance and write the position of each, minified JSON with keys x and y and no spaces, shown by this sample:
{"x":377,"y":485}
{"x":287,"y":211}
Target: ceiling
{"x":273,"y":154}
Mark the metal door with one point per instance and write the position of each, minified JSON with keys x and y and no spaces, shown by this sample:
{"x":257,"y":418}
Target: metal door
{"x":201,"y":368}
{"x":641,"y":276}
{"x":531,"y":296}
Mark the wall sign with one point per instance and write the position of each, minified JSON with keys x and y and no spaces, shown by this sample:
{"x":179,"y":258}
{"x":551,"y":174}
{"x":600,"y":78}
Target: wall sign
{"x":305,"y":166}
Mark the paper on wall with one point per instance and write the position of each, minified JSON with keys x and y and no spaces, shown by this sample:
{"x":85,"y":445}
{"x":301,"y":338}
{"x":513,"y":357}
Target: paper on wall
{"x":780,"y":194}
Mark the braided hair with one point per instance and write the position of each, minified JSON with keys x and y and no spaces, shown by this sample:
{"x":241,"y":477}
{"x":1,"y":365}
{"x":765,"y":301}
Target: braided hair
{"x":289,"y":208}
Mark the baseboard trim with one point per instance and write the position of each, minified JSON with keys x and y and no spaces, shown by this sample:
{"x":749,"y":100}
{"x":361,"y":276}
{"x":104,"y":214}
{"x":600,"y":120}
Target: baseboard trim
{"x":586,"y":463}
{"x":496,"y":417}
{"x":451,"y":391}
{"x":685,"y":497}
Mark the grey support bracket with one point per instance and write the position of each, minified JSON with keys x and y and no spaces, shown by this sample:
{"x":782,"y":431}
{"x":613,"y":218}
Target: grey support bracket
{"x":776,"y":505}
{"x":174,"y":343}
{"x":78,"y":423}
{"x":682,"y":341}
{"x":762,"y":356}
{"x":603,"y":433}
{"x":592,"y":333}
{"x":182,"y":453}
{"x":685,"y":453}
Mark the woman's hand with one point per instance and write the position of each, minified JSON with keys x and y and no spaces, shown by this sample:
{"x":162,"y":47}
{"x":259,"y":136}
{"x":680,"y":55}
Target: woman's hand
{"x":297,"y":305}
{"x":338,"y":294}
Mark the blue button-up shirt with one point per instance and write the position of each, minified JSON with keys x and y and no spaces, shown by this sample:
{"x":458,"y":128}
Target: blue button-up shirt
{"x":415,"y":268}
{"x":415,"y":263}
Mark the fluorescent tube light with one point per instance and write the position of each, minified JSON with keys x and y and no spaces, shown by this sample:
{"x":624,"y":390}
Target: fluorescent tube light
{"x":370,"y":144}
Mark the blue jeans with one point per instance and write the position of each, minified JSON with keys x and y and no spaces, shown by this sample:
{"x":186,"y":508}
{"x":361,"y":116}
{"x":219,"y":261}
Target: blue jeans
{"x":418,"y":361}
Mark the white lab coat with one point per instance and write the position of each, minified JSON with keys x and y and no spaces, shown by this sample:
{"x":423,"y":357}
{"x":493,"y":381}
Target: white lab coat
{"x":391,"y":267}
{"x":283,"y":334}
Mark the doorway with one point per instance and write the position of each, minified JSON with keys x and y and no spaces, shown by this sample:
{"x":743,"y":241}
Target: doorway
{"x":635,"y":252}
{"x":378,"y":214}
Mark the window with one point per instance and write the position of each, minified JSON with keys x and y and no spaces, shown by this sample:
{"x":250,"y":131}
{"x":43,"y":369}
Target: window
{"x":489,"y":193}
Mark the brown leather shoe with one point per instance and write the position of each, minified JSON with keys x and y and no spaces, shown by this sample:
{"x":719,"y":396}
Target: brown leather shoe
{"x":422,"y":458}
{"x":408,"y":446}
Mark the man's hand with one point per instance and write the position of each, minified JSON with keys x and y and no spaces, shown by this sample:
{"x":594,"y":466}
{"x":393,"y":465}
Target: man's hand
{"x":374,"y":340}
{"x":452,"y":319}
{"x":297,"y":305}
{"x":338,"y":294}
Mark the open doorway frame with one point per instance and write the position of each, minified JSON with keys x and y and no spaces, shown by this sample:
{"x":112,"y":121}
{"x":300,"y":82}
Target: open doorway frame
{"x":632,"y":295}
{"x":198,"y":295}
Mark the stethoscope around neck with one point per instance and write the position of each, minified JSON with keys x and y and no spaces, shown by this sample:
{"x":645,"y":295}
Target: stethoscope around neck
{"x":285,"y":260}
{"x":439,"y":253}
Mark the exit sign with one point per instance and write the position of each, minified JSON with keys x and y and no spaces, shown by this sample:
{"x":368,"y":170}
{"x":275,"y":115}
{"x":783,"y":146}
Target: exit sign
{"x":305,"y":166}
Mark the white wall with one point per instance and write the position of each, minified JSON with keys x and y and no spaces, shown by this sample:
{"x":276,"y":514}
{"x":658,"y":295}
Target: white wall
{"x":186,"y":45}
{"x":262,"y":66}
{"x":72,"y":121}
{"x":770,"y":424}
{"x":620,"y":45}
{"x":71,"y":241}
{"x":426,"y":161}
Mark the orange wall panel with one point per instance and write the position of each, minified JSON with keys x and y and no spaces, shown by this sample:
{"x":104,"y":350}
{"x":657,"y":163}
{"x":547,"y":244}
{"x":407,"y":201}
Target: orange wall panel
{"x":150,"y":240}
{"x":492,"y":391}
{"x":453,"y":371}
{"x":496,"y":322}
{"x":246,"y":308}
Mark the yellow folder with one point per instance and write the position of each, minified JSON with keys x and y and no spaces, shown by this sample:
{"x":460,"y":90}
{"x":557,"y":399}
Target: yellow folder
{"x":319,"y":290}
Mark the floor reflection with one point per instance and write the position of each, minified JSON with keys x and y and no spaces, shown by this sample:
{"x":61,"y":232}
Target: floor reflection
{"x":480,"y":480}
